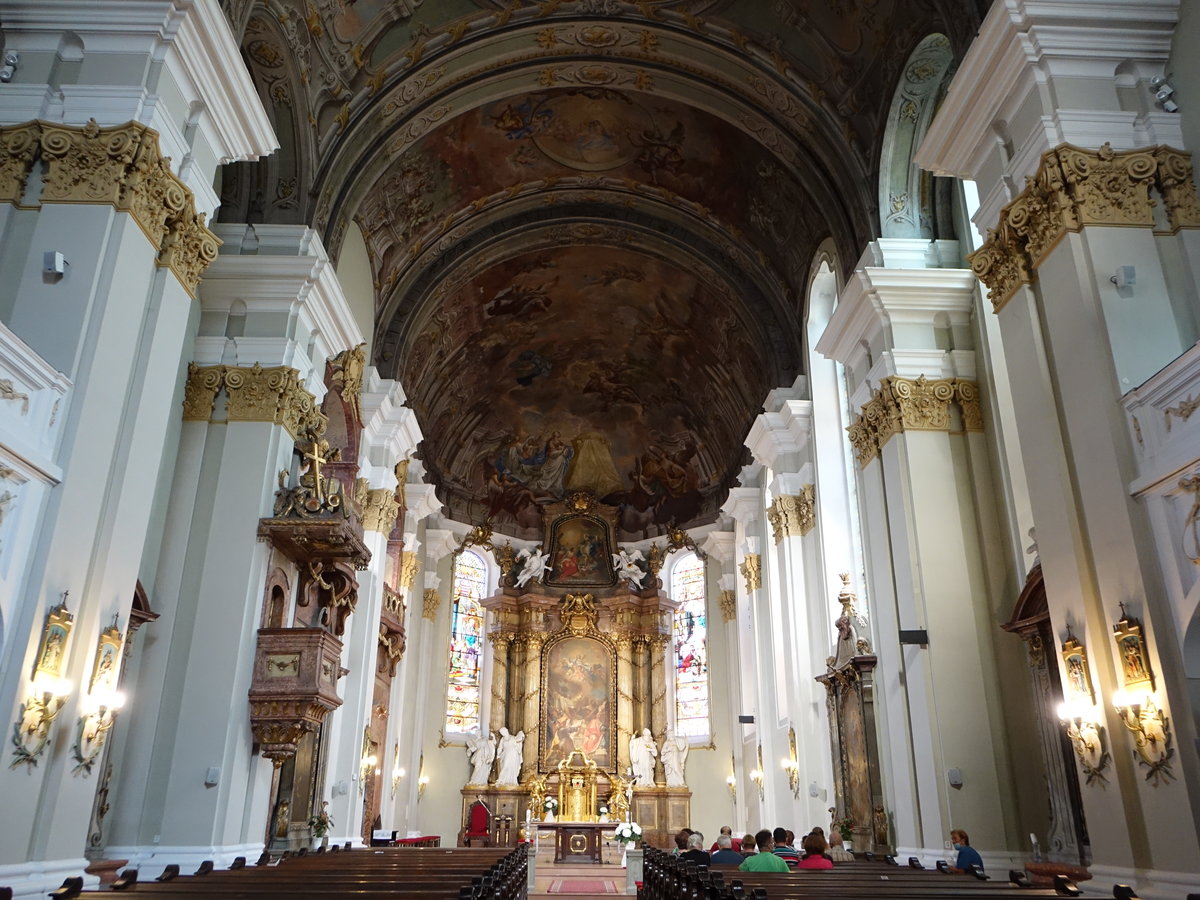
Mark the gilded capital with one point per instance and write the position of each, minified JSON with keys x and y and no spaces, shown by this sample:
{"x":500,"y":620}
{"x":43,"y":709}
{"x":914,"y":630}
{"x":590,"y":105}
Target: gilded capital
{"x":1074,"y":188}
{"x":408,"y":570}
{"x":907,"y":404}
{"x":379,"y":510}
{"x":728,"y":604}
{"x":121,"y":166}
{"x":432,"y":602}
{"x":793,"y":515}
{"x":253,"y":394}
{"x":751,"y":569}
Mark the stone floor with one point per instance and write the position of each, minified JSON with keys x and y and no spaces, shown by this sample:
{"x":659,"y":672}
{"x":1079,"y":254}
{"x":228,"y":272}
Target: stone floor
{"x":578,"y":881}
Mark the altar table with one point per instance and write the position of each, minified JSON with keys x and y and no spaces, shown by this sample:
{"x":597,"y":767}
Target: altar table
{"x":578,"y":841}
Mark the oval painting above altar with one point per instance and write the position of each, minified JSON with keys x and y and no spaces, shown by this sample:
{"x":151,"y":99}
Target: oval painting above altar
{"x":579,"y":710}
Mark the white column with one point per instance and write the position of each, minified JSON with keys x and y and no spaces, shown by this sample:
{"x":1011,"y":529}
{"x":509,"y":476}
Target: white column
{"x":193,"y":680}
{"x":116,"y":325}
{"x":1074,"y":345}
{"x":720,"y":547}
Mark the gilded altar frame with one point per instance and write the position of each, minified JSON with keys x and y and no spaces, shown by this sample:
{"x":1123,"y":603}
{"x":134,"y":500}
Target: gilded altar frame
{"x":583,"y":541}
{"x":579,"y":618}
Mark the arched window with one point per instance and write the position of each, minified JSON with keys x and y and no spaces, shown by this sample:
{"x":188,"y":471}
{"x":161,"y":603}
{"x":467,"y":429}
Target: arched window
{"x":466,"y":643}
{"x":691,"y":648}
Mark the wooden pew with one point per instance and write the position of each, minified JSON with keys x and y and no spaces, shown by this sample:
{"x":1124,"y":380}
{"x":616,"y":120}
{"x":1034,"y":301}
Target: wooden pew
{"x":428,"y":874}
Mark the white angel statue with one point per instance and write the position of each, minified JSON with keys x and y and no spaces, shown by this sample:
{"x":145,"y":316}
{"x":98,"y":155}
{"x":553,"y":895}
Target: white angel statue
{"x":626,"y":564}
{"x":534,"y":564}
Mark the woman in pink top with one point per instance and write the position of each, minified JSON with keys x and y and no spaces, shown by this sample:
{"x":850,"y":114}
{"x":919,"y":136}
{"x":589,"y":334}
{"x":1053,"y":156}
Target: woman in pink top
{"x":814,"y":853}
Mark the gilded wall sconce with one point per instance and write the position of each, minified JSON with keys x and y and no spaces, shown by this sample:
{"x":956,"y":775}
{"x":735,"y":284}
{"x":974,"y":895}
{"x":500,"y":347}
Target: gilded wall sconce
{"x":397,"y":772}
{"x":31,"y":732}
{"x":48,"y":690}
{"x":731,"y":779}
{"x":1151,"y":737}
{"x":102,"y":702}
{"x":369,"y":761}
{"x":791,"y":764}
{"x":1087,"y":737}
{"x":422,"y":779}
{"x":757,"y":775}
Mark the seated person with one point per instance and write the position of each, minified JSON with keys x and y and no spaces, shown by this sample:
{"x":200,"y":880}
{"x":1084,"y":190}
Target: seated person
{"x":735,"y":843}
{"x":837,"y":849}
{"x":814,"y":853}
{"x":748,"y":848}
{"x":680,"y":843}
{"x":784,"y":849}
{"x":725,"y":853}
{"x":764,"y":860}
{"x":967,"y":855}
{"x":695,"y":850}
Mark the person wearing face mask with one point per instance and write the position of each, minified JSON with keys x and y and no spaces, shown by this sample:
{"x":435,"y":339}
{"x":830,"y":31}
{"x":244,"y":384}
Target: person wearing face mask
{"x":967,"y":855}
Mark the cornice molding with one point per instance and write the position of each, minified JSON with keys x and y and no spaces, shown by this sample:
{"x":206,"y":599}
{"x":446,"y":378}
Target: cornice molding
{"x":1074,"y":188}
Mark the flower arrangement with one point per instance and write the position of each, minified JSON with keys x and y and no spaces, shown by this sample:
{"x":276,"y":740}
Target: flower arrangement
{"x":844,"y":826}
{"x":320,"y":823}
{"x":550,"y":804}
{"x":627,"y":832}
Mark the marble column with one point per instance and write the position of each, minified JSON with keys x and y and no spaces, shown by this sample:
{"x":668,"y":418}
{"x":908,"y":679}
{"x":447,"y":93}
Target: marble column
{"x":501,"y":641}
{"x":531,"y":714}
{"x":658,"y":646}
{"x":625,"y":702}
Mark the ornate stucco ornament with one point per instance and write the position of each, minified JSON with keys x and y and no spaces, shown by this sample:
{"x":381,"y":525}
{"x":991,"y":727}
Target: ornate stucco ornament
{"x":1073,"y":188}
{"x":907,"y":404}
{"x":751,"y":569}
{"x":793,"y":515}
{"x":121,"y":166}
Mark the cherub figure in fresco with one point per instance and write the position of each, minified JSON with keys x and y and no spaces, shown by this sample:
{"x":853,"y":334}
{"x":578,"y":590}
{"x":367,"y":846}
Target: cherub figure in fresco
{"x":660,"y":152}
{"x":522,"y":120}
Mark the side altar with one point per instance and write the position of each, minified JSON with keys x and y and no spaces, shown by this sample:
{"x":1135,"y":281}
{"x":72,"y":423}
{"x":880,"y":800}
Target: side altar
{"x":581,"y":635}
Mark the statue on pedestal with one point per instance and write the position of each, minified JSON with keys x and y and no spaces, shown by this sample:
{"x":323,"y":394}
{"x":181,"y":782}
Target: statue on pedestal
{"x":674,"y":759}
{"x":481,"y":750}
{"x":508,"y":754}
{"x":642,"y":753}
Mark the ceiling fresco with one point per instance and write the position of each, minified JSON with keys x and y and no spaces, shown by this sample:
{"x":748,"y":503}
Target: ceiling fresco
{"x":576,"y":370}
{"x":590,"y":222}
{"x":630,"y":138}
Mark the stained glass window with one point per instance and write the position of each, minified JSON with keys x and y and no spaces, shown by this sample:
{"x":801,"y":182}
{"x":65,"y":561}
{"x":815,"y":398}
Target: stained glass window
{"x":466,"y":643}
{"x":691,"y":648}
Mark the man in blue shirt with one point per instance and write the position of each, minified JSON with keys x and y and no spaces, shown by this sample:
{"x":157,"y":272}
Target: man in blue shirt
{"x":967,"y":855}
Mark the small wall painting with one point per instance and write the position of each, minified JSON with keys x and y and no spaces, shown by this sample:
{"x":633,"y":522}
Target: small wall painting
{"x":1131,"y":649}
{"x":580,"y":552}
{"x":53,"y":646}
{"x":1079,"y":676}
{"x":105,"y":668}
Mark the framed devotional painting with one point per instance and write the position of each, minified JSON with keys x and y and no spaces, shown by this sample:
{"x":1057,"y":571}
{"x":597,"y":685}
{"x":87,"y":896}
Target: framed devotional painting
{"x":579,"y":711}
{"x":580,"y":553}
{"x":1131,"y":651}
{"x":1079,"y":676}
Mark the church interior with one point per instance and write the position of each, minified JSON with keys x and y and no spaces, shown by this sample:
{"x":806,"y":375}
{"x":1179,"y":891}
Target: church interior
{"x":456,"y":422}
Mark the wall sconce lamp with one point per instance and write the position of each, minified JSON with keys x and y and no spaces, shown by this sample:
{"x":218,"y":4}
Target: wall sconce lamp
{"x":1151,"y":739}
{"x":366,"y":766}
{"x":791,"y":763}
{"x":1086,"y":735}
{"x":422,"y":779}
{"x":99,"y":714}
{"x":731,"y":783}
{"x":31,"y":733}
{"x":756,"y":776}
{"x":397,"y":772}
{"x":792,"y":767}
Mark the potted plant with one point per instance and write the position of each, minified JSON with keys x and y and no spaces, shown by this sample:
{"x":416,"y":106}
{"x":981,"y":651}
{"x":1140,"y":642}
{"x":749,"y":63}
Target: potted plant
{"x":549,"y":805}
{"x":319,"y":824}
{"x":845,"y":827}
{"x":628,"y":832}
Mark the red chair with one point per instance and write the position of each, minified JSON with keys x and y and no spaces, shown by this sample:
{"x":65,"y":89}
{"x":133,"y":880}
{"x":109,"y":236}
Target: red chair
{"x":477,"y":832}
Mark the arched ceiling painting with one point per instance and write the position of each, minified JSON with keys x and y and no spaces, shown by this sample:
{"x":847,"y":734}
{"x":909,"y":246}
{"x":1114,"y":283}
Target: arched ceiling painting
{"x":589,"y":221}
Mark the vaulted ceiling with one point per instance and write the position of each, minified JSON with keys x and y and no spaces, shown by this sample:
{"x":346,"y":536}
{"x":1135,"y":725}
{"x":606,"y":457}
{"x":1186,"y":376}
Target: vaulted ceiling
{"x":590,"y":222}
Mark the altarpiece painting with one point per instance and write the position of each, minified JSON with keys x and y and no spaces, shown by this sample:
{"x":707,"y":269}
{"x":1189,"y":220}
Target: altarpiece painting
{"x":579,"y":714}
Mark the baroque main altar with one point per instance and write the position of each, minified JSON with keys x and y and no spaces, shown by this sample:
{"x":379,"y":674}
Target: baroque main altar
{"x":581,"y":648}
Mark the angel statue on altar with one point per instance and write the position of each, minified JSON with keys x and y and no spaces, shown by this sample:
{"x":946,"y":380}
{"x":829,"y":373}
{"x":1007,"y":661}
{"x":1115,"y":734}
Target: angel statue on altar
{"x":534,"y":564}
{"x":626,"y":564}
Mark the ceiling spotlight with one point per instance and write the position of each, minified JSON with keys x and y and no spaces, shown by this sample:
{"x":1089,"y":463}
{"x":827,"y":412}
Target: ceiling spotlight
{"x":1162,"y":93}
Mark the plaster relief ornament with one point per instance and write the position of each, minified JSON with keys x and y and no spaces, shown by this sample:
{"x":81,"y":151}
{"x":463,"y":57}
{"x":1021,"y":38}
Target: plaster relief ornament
{"x":534,"y":564}
{"x":626,"y":564}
